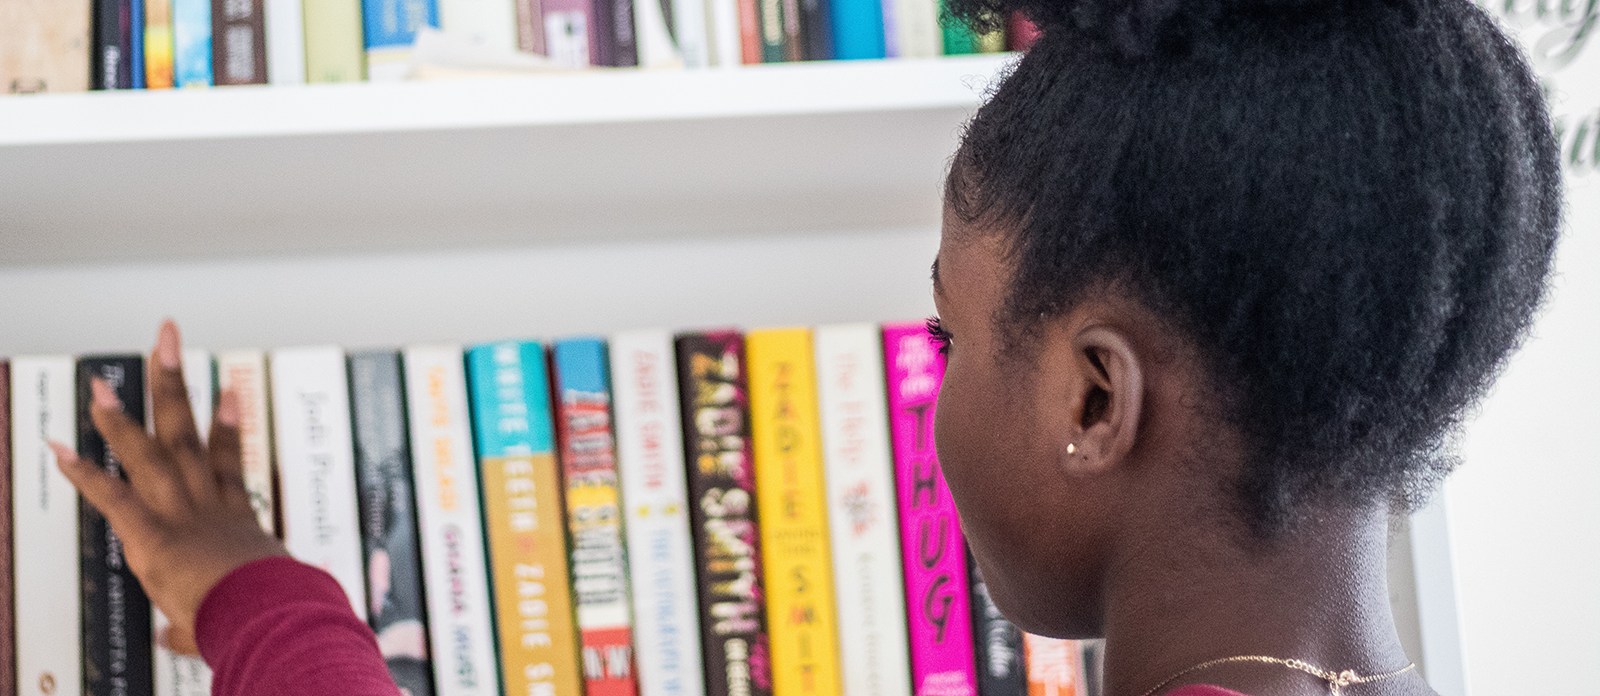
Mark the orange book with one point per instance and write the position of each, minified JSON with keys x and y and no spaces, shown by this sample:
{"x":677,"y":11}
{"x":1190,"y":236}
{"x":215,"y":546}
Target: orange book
{"x":1055,"y":666}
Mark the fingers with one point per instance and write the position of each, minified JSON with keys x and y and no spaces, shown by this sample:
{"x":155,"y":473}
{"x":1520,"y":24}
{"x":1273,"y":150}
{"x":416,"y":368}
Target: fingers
{"x":169,"y":397}
{"x":144,"y":461}
{"x":110,"y":495}
{"x":226,"y":457}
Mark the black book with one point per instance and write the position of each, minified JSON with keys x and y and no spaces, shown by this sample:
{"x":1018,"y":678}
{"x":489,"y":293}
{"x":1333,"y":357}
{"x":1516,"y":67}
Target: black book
{"x":714,"y":389}
{"x":615,"y":43}
{"x":999,"y":651}
{"x":111,"y":62}
{"x":816,"y":30}
{"x":116,"y":613}
{"x":389,"y":515}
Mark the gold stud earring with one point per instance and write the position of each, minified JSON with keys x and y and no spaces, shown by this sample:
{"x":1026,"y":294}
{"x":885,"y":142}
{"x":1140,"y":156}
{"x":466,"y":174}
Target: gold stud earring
{"x":1071,"y":448}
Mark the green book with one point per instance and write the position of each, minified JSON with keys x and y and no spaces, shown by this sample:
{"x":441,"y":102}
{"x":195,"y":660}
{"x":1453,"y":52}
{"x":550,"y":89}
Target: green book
{"x":334,"y":50}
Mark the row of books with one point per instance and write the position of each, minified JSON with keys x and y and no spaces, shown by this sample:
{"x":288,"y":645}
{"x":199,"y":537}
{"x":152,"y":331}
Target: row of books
{"x":74,"y":45}
{"x":701,"y":514}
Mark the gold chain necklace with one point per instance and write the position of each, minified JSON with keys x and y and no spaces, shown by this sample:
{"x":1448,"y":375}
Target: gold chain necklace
{"x":1336,"y":680}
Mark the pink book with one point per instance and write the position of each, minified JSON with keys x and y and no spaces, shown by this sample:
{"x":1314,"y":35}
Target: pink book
{"x":934,"y":554}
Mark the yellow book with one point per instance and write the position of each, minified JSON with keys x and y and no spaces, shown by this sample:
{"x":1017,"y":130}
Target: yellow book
{"x":158,"y":44}
{"x":524,"y":520}
{"x":792,"y":503}
{"x":335,"y":48}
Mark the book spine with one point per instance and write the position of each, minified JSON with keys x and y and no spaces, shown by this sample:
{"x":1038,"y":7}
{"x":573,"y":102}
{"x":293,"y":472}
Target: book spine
{"x":611,"y":36}
{"x":956,"y":38}
{"x":45,"y":523}
{"x":937,"y":596}
{"x":45,"y":47}
{"x":390,"y":26}
{"x":388,"y":518}
{"x":655,"y":500}
{"x":191,"y":43}
{"x":1020,"y":33}
{"x":450,"y":523}
{"x":111,"y":65}
{"x":793,"y":41}
{"x":750,"y":44}
{"x":8,"y":625}
{"x":793,"y":506}
{"x":816,"y":29}
{"x":485,"y":23}
{"x":862,"y":516}
{"x":135,"y":42}
{"x":244,"y":372}
{"x":658,"y":48}
{"x":722,"y":514}
{"x":523,"y":518}
{"x":911,"y":28}
{"x":116,"y":625}
{"x":566,"y":32}
{"x":594,"y":517}
{"x":1001,"y":671}
{"x":857,"y":29}
{"x":689,"y":26}
{"x":335,"y":50}
{"x":285,"y":25}
{"x":185,"y":675}
{"x":725,"y":45}
{"x":238,"y":42}
{"x":769,"y":15}
{"x":316,"y":464}
{"x":530,"y":26}
{"x":1055,"y":667}
{"x":157,"y":44}
{"x":992,"y":42}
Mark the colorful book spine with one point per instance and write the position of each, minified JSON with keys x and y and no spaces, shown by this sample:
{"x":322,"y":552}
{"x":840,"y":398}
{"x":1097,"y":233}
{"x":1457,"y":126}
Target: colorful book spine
{"x":857,"y":29}
{"x":285,"y":24}
{"x":1001,"y":671}
{"x":1055,"y":667}
{"x":485,"y":23}
{"x":523,"y":518}
{"x":862,"y":517}
{"x":244,"y":372}
{"x":157,"y":44}
{"x":655,"y":501}
{"x":335,"y":50}
{"x":723,"y":519}
{"x":530,"y":26}
{"x":774,"y":34}
{"x":688,"y":19}
{"x":238,"y":42}
{"x":792,"y":502}
{"x":911,"y":29}
{"x":116,"y":627}
{"x":956,"y":38}
{"x":185,"y":675}
{"x":45,"y":524}
{"x":112,"y":62}
{"x":594,"y":516}
{"x":388,"y":518}
{"x":44,"y":47}
{"x":566,"y":32}
{"x":937,"y":595}
{"x":816,"y":29}
{"x":191,"y":43}
{"x":658,"y":48}
{"x":611,"y":36}
{"x":450,"y":523}
{"x":390,"y":26}
{"x":750,"y":31}
{"x":8,"y":625}
{"x":316,"y":464}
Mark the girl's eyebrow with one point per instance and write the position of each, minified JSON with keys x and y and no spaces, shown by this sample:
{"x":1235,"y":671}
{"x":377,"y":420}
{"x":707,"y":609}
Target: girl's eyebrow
{"x":938,"y":289}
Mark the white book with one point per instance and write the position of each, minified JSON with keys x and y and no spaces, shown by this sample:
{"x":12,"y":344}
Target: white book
{"x":691,"y":24}
{"x":286,"y":41}
{"x":244,"y":372}
{"x":485,"y":23}
{"x":316,"y":464}
{"x":655,"y":501}
{"x":911,"y":29}
{"x":450,"y":522}
{"x":726,"y":51}
{"x":184,"y":675}
{"x":863,"y":524}
{"x":45,"y":525}
{"x":654,"y":38}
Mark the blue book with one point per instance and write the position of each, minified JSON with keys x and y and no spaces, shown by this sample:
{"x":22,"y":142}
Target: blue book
{"x":857,"y":29}
{"x":390,"y":26}
{"x":136,"y":43}
{"x":191,"y":38}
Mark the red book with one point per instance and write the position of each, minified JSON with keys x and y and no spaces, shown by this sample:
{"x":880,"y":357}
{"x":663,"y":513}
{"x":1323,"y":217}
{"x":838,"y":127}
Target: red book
{"x":1020,"y":33}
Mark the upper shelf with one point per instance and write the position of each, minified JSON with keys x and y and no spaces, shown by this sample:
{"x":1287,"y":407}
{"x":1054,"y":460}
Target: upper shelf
{"x":234,"y":172}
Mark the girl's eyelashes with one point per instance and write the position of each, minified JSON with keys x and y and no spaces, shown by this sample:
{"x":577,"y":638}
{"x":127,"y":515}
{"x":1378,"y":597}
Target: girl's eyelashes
{"x":938,"y":335}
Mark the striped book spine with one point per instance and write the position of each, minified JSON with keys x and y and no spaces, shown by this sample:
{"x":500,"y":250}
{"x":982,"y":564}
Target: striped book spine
{"x":389,"y":518}
{"x":594,"y":518}
{"x":116,"y":626}
{"x":655,"y":500}
{"x":937,"y":595}
{"x":722,"y":513}
{"x":45,"y":522}
{"x":450,"y":523}
{"x":862,"y":516}
{"x":522,"y":513}
{"x":793,"y":504}
{"x":185,"y":675}
{"x":316,"y":463}
{"x":1001,"y":671}
{"x":244,"y":372}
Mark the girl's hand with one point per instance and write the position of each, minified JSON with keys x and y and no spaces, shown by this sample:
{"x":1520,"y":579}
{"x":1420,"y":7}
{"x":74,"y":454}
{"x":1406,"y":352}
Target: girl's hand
{"x":183,"y":514}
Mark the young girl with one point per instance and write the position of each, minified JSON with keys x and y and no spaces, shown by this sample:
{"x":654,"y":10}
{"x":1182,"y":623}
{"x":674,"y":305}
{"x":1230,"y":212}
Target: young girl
{"x":1217,"y":282}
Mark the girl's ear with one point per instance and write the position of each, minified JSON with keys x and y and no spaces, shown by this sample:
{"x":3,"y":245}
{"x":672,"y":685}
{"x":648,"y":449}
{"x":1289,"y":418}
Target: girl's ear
{"x":1103,"y":403}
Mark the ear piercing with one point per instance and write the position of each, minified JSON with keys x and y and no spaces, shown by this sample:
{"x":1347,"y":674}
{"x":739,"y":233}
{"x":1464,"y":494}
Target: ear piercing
{"x":1071,"y":448}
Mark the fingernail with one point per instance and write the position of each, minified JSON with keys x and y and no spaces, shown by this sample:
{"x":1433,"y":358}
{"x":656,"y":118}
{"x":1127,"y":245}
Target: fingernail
{"x":63,"y":452}
{"x":167,"y":342}
{"x":228,"y":408}
{"x":104,"y":395}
